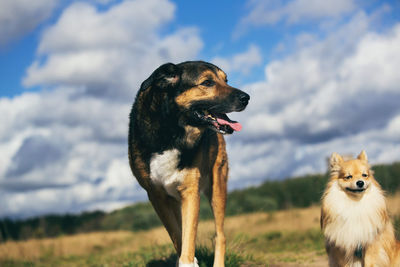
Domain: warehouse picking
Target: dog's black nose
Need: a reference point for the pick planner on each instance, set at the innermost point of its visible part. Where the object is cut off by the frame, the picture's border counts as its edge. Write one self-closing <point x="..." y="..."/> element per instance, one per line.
<point x="244" y="98"/>
<point x="360" y="184"/>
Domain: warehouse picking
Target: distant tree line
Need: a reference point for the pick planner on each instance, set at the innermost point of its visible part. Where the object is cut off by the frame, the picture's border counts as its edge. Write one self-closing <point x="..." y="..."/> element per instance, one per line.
<point x="269" y="196"/>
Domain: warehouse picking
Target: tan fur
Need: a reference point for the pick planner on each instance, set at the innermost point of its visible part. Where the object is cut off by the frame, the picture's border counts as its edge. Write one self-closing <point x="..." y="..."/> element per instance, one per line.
<point x="192" y="134"/>
<point x="199" y="92"/>
<point x="350" y="219"/>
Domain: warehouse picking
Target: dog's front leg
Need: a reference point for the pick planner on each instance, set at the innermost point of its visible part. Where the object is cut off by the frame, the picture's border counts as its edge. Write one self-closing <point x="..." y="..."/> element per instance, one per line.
<point x="190" y="197"/>
<point x="218" y="203"/>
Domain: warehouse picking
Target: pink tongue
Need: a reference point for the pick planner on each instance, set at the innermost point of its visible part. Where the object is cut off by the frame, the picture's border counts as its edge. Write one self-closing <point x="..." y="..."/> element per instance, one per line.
<point x="234" y="125"/>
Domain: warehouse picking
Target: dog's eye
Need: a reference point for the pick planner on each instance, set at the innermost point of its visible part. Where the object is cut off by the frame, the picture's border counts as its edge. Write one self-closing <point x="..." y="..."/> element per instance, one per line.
<point x="349" y="176"/>
<point x="208" y="83"/>
<point x="364" y="175"/>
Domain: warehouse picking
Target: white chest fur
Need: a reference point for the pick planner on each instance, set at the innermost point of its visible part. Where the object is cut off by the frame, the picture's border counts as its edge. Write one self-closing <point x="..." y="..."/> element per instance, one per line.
<point x="164" y="171"/>
<point x="354" y="222"/>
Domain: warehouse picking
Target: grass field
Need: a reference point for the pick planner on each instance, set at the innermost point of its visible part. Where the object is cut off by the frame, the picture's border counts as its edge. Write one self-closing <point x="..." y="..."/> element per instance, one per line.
<point x="282" y="238"/>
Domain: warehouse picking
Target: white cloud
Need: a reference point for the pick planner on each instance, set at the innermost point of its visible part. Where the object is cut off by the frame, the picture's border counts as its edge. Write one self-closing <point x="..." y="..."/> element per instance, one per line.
<point x="375" y="63"/>
<point x="103" y="2"/>
<point x="129" y="24"/>
<point x="64" y="145"/>
<point x="292" y="12"/>
<point x="242" y="62"/>
<point x="295" y="11"/>
<point x="78" y="197"/>
<point x="393" y="128"/>
<point x="18" y="17"/>
<point x="298" y="10"/>
<point x="109" y="50"/>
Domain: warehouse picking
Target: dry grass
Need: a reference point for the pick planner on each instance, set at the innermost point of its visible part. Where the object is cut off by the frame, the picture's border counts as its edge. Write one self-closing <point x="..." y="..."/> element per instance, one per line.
<point x="283" y="238"/>
<point x="82" y="244"/>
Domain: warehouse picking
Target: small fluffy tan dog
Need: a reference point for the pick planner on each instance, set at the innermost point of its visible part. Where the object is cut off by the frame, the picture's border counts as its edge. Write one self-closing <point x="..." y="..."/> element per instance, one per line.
<point x="354" y="217"/>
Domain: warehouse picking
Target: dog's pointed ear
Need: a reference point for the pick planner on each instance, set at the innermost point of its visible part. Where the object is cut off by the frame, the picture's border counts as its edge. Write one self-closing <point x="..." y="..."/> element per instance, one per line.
<point x="363" y="156"/>
<point x="164" y="77"/>
<point x="335" y="161"/>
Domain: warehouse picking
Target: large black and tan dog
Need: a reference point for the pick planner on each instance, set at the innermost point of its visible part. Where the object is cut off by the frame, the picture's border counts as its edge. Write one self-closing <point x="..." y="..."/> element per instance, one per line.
<point x="177" y="148"/>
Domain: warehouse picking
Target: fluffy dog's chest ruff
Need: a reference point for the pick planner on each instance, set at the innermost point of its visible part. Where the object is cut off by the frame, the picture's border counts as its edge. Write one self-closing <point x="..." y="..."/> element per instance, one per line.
<point x="355" y="223"/>
<point x="164" y="170"/>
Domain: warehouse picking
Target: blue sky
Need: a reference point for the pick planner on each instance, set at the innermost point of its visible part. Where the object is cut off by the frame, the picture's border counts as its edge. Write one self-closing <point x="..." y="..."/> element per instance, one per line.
<point x="322" y="76"/>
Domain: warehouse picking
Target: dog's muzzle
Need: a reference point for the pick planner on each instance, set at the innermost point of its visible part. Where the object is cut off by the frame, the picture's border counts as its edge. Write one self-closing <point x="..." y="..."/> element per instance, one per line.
<point x="242" y="100"/>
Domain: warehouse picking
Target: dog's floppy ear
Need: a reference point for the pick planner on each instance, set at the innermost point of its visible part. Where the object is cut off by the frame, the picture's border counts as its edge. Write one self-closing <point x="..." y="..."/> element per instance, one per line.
<point x="164" y="77"/>
<point x="363" y="156"/>
<point x="335" y="161"/>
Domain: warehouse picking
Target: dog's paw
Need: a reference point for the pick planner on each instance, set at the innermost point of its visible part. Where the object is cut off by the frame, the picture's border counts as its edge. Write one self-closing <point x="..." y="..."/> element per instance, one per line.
<point x="193" y="264"/>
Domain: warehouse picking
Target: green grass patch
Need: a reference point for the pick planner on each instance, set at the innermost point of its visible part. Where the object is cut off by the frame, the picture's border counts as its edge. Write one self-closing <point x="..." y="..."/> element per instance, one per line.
<point x="205" y="257"/>
<point x="13" y="263"/>
<point x="396" y="224"/>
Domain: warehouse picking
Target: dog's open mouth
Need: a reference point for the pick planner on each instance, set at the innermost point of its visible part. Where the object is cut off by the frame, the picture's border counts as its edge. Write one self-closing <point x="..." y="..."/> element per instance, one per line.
<point x="358" y="190"/>
<point x="219" y="122"/>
